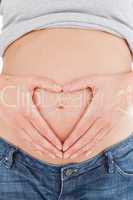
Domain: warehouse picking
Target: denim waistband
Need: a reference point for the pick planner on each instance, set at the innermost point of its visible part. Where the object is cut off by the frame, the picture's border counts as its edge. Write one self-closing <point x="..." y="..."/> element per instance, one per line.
<point x="8" y="152"/>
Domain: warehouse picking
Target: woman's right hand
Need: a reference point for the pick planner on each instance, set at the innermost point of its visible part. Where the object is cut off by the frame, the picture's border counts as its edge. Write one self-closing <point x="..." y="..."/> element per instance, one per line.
<point x="20" y="117"/>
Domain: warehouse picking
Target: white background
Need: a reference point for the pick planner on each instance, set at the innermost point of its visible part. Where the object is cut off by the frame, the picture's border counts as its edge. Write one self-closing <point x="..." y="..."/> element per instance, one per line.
<point x="0" y="57"/>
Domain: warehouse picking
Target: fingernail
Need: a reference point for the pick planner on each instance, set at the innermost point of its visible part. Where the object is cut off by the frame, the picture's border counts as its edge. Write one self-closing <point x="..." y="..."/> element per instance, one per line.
<point x="65" y="147"/>
<point x="59" y="146"/>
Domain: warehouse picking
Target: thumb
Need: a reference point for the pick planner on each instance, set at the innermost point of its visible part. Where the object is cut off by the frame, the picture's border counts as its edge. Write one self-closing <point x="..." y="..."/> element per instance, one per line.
<point x="45" y="83"/>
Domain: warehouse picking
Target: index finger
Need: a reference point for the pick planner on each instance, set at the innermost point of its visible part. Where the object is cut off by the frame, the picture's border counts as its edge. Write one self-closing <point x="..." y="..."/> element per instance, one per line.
<point x="80" y="84"/>
<point x="41" y="125"/>
<point x="89" y="117"/>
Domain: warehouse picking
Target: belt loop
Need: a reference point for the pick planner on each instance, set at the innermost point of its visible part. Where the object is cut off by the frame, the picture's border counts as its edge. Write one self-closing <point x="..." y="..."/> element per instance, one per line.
<point x="9" y="157"/>
<point x="110" y="162"/>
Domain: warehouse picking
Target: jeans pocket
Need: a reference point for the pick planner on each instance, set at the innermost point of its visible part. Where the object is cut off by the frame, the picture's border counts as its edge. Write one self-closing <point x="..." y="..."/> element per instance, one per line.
<point x="124" y="162"/>
<point x="10" y="169"/>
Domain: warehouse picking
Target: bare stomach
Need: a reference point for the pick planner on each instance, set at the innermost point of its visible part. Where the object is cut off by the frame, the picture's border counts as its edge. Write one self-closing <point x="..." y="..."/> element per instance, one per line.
<point x="64" y="55"/>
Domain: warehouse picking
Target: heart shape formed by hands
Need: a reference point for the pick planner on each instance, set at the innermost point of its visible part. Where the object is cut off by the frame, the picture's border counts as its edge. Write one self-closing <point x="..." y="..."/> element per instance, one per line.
<point x="62" y="111"/>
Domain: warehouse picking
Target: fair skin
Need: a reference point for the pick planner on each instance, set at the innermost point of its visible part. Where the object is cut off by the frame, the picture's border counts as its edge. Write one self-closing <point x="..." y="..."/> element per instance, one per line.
<point x="69" y="54"/>
<point x="108" y="107"/>
<point x="27" y="122"/>
<point x="89" y="129"/>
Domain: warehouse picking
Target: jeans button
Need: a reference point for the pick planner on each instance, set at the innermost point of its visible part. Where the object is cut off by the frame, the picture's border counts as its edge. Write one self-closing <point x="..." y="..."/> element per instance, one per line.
<point x="71" y="172"/>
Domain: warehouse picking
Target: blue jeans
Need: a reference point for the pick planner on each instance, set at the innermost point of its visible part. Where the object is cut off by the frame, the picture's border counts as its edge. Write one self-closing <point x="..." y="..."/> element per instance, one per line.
<point x="107" y="176"/>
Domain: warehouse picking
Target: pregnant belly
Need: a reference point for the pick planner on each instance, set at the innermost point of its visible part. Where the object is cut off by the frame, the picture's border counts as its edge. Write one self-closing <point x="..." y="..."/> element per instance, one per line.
<point x="64" y="55"/>
<point x="62" y="111"/>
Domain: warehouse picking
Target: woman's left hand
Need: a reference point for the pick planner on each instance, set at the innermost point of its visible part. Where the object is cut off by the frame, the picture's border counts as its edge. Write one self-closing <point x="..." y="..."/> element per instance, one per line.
<point x="112" y="99"/>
